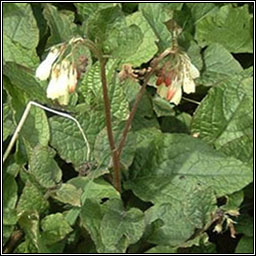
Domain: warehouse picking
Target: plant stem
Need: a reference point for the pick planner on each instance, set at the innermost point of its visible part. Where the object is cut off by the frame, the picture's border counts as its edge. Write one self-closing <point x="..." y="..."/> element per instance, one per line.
<point x="139" y="96"/>
<point x="115" y="155"/>
<point x="13" y="241"/>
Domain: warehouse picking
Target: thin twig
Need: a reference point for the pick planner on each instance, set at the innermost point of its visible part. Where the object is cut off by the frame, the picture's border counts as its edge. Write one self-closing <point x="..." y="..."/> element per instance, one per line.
<point x="13" y="241"/>
<point x="153" y="65"/>
<point x="115" y="157"/>
<point x="24" y="117"/>
<point x="191" y="100"/>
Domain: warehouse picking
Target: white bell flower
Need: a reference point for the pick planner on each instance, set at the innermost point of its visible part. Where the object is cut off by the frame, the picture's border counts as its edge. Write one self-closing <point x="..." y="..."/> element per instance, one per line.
<point x="194" y="72"/>
<point x="176" y="98"/>
<point x="188" y="84"/>
<point x="172" y="93"/>
<point x="59" y="83"/>
<point x="44" y="69"/>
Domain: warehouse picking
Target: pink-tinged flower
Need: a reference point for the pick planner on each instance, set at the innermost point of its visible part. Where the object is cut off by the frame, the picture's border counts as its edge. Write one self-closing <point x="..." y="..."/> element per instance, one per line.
<point x="175" y="75"/>
<point x="72" y="82"/>
<point x="171" y="92"/>
<point x="44" y="69"/>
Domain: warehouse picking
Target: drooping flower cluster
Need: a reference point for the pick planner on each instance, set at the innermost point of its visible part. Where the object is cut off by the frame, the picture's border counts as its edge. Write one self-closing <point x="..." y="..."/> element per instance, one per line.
<point x="177" y="74"/>
<point x="63" y="72"/>
<point x="63" y="82"/>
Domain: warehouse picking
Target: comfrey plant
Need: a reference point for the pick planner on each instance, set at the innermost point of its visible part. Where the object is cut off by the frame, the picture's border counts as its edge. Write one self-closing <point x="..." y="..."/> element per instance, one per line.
<point x="173" y="68"/>
<point x="128" y="127"/>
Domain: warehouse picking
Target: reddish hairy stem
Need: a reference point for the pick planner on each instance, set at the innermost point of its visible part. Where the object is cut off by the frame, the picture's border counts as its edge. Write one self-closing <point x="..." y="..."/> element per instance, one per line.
<point x="115" y="155"/>
<point x="139" y="96"/>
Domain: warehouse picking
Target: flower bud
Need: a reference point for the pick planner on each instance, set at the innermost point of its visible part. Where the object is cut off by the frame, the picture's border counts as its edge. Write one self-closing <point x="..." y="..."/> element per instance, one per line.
<point x="218" y="228"/>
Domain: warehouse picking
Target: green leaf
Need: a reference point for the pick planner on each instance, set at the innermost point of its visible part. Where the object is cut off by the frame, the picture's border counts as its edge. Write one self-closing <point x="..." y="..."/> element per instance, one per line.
<point x="156" y="15"/>
<point x="245" y="245"/>
<point x="194" y="52"/>
<point x="234" y="201"/>
<point x="95" y="192"/>
<point x="24" y="79"/>
<point x="118" y="224"/>
<point x="20" y="33"/>
<point x="26" y="247"/>
<point x="13" y="169"/>
<point x="181" y="217"/>
<point x="55" y="228"/>
<point x="230" y="26"/>
<point x="162" y="249"/>
<point x="98" y="190"/>
<point x="182" y="176"/>
<point x="147" y="48"/>
<point x="219" y="65"/>
<point x="69" y="194"/>
<point x="94" y="189"/>
<point x="91" y="89"/>
<point x="144" y="116"/>
<point x="121" y="42"/>
<point x="90" y="85"/>
<point x="44" y="168"/>
<point x="8" y="127"/>
<point x="178" y="163"/>
<point x="88" y="9"/>
<point x="102" y="151"/>
<point x="200" y="10"/>
<point x="103" y="21"/>
<point x="67" y="139"/>
<point x="91" y="216"/>
<point x="60" y="25"/>
<point x="29" y="222"/>
<point x="32" y="198"/>
<point x="204" y="246"/>
<point x="111" y="228"/>
<point x="245" y="225"/>
<point x="35" y="129"/>
<point x="162" y="107"/>
<point x="130" y="88"/>
<point x="225" y="118"/>
<point x="10" y="190"/>
<point x="107" y="27"/>
<point x="10" y="216"/>
<point x="179" y="124"/>
<point x="7" y="231"/>
<point x="118" y="101"/>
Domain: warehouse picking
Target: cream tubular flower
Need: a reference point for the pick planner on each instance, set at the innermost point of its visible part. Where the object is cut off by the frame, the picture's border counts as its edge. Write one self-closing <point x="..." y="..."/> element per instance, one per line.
<point x="44" y="69"/>
<point x="72" y="80"/>
<point x="175" y="93"/>
<point x="175" y="76"/>
<point x="194" y="72"/>
<point x="59" y="82"/>
<point x="190" y="72"/>
<point x="188" y="83"/>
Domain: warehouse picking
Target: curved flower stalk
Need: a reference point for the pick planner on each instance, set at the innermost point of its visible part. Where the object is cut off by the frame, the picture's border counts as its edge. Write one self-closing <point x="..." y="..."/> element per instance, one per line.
<point x="177" y="74"/>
